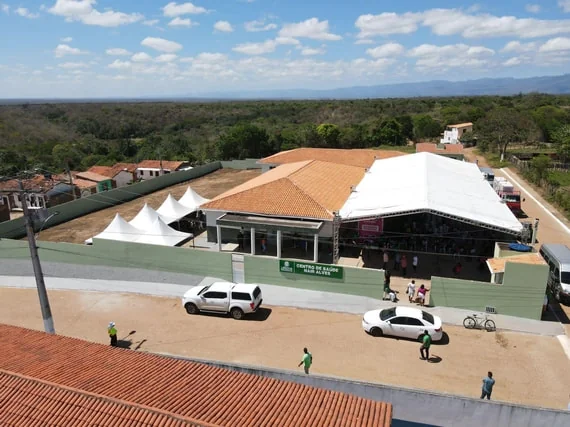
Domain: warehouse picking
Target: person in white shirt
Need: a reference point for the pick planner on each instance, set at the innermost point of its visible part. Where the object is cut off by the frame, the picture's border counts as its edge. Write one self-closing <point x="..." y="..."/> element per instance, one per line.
<point x="415" y="263"/>
<point x="411" y="290"/>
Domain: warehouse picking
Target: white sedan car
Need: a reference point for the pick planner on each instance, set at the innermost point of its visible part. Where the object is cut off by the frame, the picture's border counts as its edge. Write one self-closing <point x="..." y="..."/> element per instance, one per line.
<point x="405" y="322"/>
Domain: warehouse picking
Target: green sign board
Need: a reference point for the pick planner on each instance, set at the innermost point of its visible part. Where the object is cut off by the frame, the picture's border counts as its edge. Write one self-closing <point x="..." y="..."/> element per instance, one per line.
<point x="310" y="269"/>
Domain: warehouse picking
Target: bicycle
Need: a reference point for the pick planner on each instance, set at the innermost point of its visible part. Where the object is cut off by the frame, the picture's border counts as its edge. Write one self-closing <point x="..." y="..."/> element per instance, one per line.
<point x="475" y="321"/>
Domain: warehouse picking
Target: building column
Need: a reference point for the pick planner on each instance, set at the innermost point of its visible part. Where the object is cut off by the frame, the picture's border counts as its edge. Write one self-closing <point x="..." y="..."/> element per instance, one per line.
<point x="219" y="237"/>
<point x="279" y="237"/>
<point x="252" y="234"/>
<point x="316" y="249"/>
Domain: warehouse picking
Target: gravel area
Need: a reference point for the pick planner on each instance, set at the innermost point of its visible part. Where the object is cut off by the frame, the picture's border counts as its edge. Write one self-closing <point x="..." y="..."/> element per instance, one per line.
<point x="54" y="269"/>
<point x="528" y="369"/>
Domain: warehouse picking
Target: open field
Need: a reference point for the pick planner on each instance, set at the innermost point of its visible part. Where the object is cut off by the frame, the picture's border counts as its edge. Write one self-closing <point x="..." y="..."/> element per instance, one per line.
<point x="529" y="369"/>
<point x="209" y="186"/>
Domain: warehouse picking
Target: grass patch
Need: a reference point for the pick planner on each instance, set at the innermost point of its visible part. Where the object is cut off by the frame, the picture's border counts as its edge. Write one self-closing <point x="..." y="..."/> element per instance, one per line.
<point x="494" y="160"/>
<point x="561" y="177"/>
<point x="403" y="148"/>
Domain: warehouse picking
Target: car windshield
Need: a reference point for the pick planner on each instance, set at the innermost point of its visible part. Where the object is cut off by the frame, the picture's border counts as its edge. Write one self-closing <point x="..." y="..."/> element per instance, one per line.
<point x="204" y="290"/>
<point x="387" y="313"/>
<point x="428" y="317"/>
<point x="565" y="277"/>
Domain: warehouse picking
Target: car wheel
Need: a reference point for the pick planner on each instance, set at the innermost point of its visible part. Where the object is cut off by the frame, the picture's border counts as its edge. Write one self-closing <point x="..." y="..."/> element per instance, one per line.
<point x="191" y="308"/>
<point x="237" y="313"/>
<point x="376" y="332"/>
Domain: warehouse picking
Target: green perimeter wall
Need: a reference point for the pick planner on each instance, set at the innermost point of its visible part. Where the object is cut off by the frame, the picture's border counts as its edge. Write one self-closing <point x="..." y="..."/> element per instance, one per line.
<point x="241" y="164"/>
<point x="67" y="211"/>
<point x="356" y="281"/>
<point x="521" y="294"/>
<point x="126" y="255"/>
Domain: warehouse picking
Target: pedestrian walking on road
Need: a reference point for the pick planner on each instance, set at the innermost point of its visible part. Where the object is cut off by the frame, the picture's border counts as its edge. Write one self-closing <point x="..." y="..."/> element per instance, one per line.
<point x="307" y="360"/>
<point x="112" y="334"/>
<point x="488" y="384"/>
<point x="426" y="343"/>
<point x="411" y="290"/>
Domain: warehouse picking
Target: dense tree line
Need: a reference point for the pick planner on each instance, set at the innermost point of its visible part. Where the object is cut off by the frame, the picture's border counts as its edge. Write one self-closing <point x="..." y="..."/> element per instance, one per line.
<point x="54" y="136"/>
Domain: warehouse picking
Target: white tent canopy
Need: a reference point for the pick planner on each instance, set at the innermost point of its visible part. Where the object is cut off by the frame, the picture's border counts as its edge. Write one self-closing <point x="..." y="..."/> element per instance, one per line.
<point x="192" y="200"/>
<point x="159" y="233"/>
<point x="119" y="229"/>
<point x="426" y="182"/>
<point x="171" y="210"/>
<point x="144" y="218"/>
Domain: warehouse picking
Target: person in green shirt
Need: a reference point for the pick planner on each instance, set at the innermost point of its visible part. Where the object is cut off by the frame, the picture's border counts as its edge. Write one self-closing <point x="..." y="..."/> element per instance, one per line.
<point x="424" y="349"/>
<point x="307" y="360"/>
<point x="112" y="334"/>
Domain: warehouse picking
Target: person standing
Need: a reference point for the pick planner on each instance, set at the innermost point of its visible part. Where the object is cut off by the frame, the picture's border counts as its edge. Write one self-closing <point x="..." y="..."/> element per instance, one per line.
<point x="411" y="290"/>
<point x="397" y="261"/>
<point x="404" y="264"/>
<point x="488" y="384"/>
<point x="307" y="360"/>
<point x="386" y="258"/>
<point x="112" y="334"/>
<point x="415" y="263"/>
<point x="426" y="343"/>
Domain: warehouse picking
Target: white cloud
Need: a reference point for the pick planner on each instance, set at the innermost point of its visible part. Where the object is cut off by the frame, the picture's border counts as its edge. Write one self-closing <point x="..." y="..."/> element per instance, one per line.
<point x="309" y="51"/>
<point x="117" y="51"/>
<point x="73" y="65"/>
<point x="532" y="8"/>
<point x="5" y="8"/>
<point x="117" y="64"/>
<point x="162" y="45"/>
<point x="179" y="22"/>
<point x="565" y="5"/>
<point x="448" y="22"/>
<point x="141" y="57"/>
<point x="441" y="58"/>
<point x="166" y="57"/>
<point x="62" y="50"/>
<point x="211" y="57"/>
<point x="83" y="11"/>
<point x="516" y="46"/>
<point x="556" y="45"/>
<point x="287" y="41"/>
<point x="310" y="29"/>
<point x="223" y="26"/>
<point x="173" y="9"/>
<point x="262" y="48"/>
<point x="386" y="50"/>
<point x="67" y="39"/>
<point x="186" y="59"/>
<point x="22" y="11"/>
<point x="511" y="62"/>
<point x="364" y="41"/>
<point x="151" y="22"/>
<point x="259" y="25"/>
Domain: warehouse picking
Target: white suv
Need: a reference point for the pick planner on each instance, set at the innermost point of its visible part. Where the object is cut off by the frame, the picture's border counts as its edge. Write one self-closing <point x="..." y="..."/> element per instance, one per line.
<point x="237" y="299"/>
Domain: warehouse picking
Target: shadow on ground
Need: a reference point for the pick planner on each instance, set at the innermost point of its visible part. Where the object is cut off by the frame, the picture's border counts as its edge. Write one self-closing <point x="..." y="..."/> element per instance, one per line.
<point x="555" y="313"/>
<point x="445" y="340"/>
<point x="260" y="315"/>
<point x="402" y="423"/>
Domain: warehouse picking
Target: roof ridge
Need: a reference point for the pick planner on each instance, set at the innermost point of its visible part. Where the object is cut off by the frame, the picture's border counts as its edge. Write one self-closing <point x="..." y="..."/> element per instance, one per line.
<point x="107" y="398"/>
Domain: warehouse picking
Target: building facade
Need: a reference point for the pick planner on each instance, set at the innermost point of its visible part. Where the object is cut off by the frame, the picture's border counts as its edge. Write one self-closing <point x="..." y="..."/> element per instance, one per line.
<point x="454" y="133"/>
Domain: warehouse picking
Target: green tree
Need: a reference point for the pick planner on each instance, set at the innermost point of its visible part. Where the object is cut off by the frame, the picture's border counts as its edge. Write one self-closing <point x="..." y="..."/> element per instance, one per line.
<point x="539" y="166"/>
<point x="451" y="115"/>
<point x="562" y="140"/>
<point x="426" y="127"/>
<point x="407" y="126"/>
<point x="329" y="134"/>
<point x="353" y="136"/>
<point x="66" y="155"/>
<point x="548" y="119"/>
<point x="244" y="141"/>
<point x="389" y="132"/>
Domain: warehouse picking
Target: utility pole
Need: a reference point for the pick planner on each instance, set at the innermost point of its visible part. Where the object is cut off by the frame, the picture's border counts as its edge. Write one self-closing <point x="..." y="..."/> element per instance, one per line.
<point x="42" y="292"/>
<point x="71" y="181"/>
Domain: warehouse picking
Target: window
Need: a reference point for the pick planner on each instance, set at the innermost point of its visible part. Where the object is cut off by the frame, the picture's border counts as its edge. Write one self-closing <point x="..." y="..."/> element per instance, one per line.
<point x="242" y="296"/>
<point x="256" y="292"/>
<point x="398" y="321"/>
<point x="428" y="317"/>
<point x="165" y="172"/>
<point x="565" y="277"/>
<point x="216" y="295"/>
<point x="387" y="313"/>
<point x="414" y="322"/>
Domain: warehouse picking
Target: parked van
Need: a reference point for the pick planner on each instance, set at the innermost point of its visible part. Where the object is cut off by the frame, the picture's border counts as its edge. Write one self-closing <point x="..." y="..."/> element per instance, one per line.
<point x="558" y="259"/>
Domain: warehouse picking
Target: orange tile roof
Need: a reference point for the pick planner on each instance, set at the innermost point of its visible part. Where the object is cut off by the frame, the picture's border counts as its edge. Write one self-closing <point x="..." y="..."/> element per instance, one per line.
<point x="155" y="164"/>
<point x="497" y="265"/>
<point x="91" y="176"/>
<point x="112" y="171"/>
<point x="357" y="157"/>
<point x="461" y="125"/>
<point x="429" y="147"/>
<point x="188" y="389"/>
<point x="36" y="183"/>
<point x="309" y="189"/>
<point x="27" y="400"/>
<point x="83" y="183"/>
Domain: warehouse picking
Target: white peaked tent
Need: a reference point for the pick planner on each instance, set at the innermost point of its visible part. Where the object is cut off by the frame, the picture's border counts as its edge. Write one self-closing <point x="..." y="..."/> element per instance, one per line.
<point x="159" y="233"/>
<point x="192" y="200"/>
<point x="171" y="210"/>
<point x="144" y="218"/>
<point x="119" y="229"/>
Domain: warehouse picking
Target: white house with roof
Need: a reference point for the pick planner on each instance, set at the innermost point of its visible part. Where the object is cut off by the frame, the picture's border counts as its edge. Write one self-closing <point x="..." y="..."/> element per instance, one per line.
<point x="453" y="133"/>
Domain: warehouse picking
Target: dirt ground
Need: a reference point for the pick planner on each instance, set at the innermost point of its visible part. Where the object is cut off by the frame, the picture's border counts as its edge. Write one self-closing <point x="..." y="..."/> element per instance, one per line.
<point x="209" y="186"/>
<point x="528" y="369"/>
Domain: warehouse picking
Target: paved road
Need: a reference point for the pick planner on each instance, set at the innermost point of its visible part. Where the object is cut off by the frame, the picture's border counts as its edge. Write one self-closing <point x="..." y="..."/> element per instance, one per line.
<point x="281" y="296"/>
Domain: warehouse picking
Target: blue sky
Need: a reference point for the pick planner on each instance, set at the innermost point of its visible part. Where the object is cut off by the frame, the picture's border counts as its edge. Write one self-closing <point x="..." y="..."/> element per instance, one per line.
<point x="88" y="48"/>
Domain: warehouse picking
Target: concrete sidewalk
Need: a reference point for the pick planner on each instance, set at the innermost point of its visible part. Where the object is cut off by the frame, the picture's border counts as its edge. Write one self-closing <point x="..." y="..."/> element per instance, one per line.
<point x="281" y="296"/>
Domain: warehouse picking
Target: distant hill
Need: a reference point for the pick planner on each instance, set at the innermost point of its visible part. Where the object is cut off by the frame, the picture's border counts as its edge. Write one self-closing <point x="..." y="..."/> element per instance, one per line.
<point x="434" y="88"/>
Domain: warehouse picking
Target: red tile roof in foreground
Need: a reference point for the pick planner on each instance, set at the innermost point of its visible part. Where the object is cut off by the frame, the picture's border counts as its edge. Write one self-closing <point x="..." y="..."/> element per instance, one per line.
<point x="28" y="401"/>
<point x="200" y="392"/>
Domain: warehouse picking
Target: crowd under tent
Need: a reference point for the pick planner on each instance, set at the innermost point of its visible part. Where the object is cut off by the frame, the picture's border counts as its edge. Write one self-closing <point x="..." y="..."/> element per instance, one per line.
<point x="171" y="210"/>
<point x="192" y="200"/>
<point x="428" y="183"/>
<point x="159" y="233"/>
<point x="118" y="229"/>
